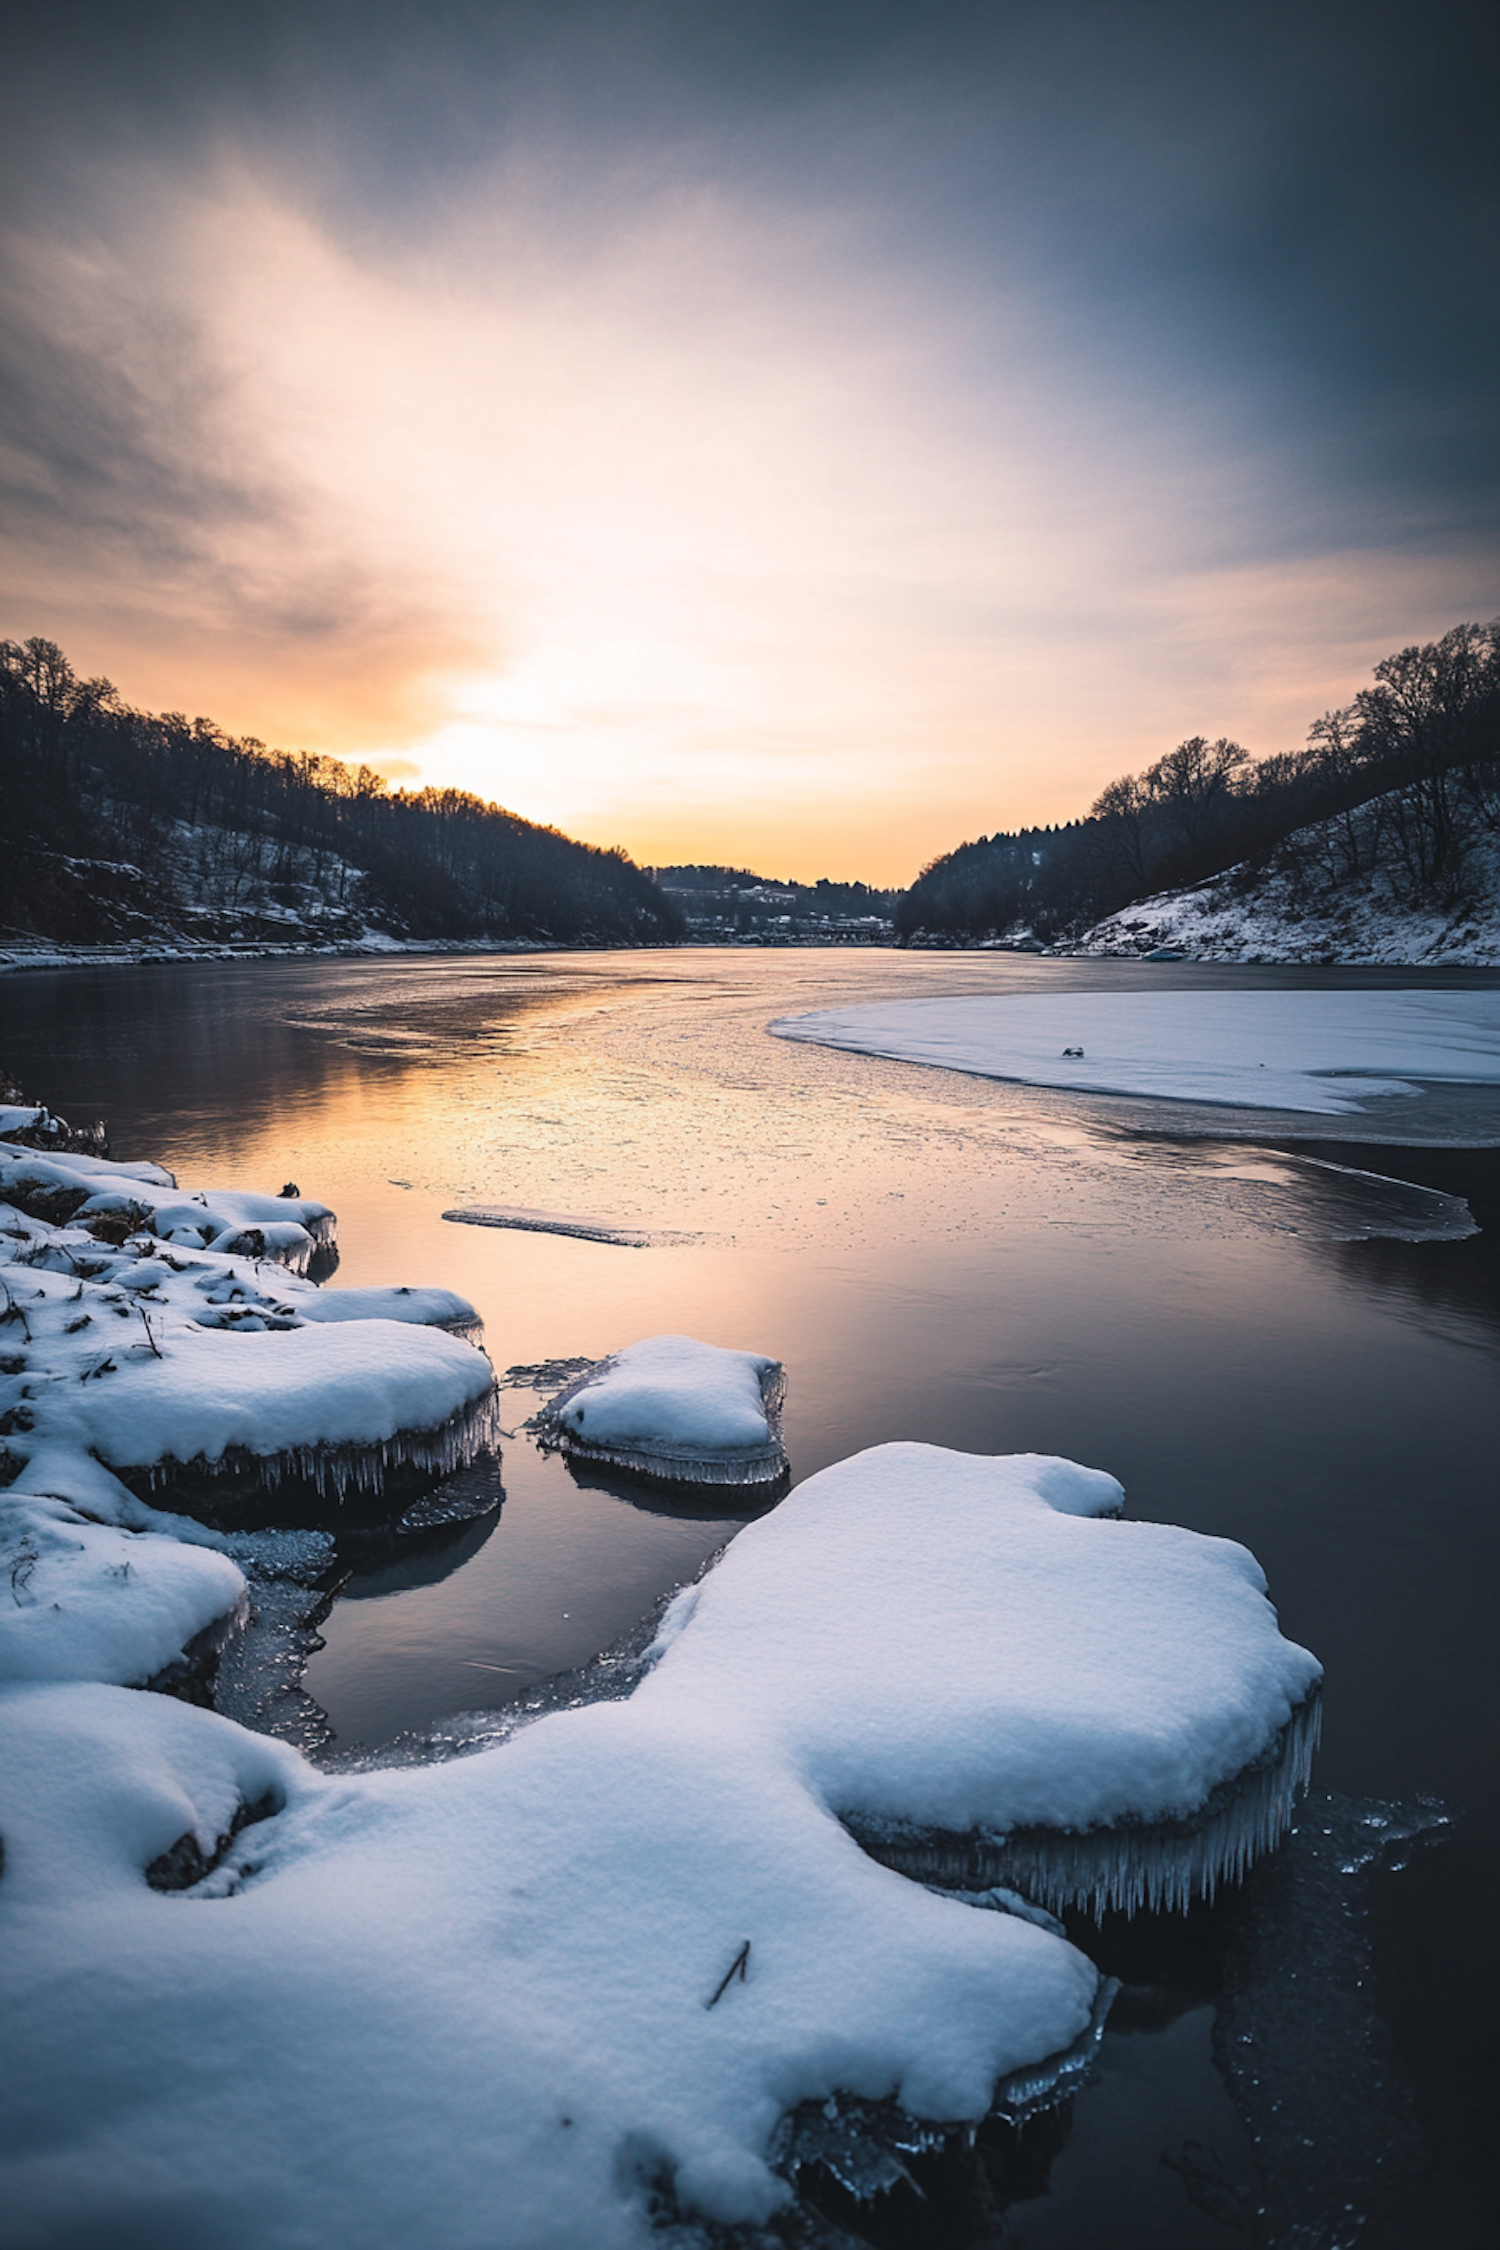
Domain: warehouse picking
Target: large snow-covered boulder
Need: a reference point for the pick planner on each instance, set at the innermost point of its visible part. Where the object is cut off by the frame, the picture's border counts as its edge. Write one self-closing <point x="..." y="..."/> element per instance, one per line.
<point x="992" y="1678"/>
<point x="491" y="2003"/>
<point x="676" y="1410"/>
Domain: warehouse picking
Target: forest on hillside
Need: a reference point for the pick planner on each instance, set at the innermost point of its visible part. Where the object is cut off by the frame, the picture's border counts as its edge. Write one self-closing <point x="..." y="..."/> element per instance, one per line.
<point x="120" y="823"/>
<point x="1404" y="782"/>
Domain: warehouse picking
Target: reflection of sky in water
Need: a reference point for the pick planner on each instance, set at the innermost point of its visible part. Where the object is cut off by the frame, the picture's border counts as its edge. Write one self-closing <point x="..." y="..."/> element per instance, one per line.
<point x="975" y="1264"/>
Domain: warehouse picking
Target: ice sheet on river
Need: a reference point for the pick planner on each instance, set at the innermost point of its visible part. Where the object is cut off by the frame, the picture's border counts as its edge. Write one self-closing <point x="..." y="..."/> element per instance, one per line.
<point x="1327" y="1052"/>
<point x="499" y="2001"/>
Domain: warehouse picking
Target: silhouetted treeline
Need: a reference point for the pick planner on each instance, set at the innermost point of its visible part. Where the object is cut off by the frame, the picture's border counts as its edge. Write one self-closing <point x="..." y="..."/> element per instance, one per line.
<point x="117" y="820"/>
<point x="1405" y="780"/>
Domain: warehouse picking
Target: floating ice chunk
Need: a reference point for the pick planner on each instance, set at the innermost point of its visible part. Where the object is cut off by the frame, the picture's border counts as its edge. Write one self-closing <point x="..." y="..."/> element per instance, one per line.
<point x="526" y="1221"/>
<point x="991" y="1682"/>
<point x="676" y="1409"/>
<point x="1322" y="1051"/>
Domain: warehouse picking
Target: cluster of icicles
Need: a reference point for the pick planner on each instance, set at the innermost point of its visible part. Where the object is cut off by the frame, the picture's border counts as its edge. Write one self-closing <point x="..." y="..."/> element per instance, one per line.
<point x="1160" y="1865"/>
<point x="337" y="1471"/>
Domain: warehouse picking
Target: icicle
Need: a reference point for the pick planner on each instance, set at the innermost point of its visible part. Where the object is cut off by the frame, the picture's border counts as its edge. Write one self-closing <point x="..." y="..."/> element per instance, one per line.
<point x="339" y="1470"/>
<point x="1129" y="1864"/>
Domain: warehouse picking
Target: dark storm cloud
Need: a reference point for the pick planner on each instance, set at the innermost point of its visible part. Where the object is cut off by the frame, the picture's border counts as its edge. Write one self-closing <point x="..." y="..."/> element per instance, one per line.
<point x="111" y="432"/>
<point x="1293" y="205"/>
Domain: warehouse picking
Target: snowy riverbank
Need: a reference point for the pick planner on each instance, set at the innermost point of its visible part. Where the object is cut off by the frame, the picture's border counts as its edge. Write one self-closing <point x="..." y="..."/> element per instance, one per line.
<point x="1294" y="911"/>
<point x="374" y="944"/>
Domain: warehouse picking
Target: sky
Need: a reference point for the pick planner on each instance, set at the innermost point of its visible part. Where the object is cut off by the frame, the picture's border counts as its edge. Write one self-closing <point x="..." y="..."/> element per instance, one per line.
<point x="801" y="436"/>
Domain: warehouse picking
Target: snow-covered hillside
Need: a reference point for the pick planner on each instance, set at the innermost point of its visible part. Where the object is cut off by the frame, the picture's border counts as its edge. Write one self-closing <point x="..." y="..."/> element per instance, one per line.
<point x="217" y="892"/>
<point x="1304" y="907"/>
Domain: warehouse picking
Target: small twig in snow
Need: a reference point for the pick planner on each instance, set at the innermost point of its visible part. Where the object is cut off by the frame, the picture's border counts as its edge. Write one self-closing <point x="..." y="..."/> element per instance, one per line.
<point x="738" y="1967"/>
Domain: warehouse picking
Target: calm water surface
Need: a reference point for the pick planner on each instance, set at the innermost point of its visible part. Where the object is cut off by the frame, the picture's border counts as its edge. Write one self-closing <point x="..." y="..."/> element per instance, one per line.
<point x="1140" y="1286"/>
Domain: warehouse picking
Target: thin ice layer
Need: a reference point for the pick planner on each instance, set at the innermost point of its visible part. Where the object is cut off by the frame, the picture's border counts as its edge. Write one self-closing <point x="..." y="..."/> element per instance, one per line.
<point x="675" y="1407"/>
<point x="1320" y="1051"/>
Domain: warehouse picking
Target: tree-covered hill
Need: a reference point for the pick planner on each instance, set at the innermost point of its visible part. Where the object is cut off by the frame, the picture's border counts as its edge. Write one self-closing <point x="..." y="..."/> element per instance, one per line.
<point x="1400" y="790"/>
<point x="732" y="906"/>
<point x="121" y="824"/>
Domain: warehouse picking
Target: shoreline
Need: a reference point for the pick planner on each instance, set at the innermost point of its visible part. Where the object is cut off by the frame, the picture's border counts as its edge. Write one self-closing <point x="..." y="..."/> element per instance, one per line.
<point x="14" y="962"/>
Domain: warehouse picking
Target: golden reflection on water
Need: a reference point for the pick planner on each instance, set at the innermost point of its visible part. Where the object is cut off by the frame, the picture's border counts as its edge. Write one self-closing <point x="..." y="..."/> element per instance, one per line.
<point x="656" y="1098"/>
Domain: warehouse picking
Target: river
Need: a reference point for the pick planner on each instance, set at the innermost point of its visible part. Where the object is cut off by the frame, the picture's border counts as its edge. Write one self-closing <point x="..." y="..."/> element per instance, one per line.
<point x="1229" y="1312"/>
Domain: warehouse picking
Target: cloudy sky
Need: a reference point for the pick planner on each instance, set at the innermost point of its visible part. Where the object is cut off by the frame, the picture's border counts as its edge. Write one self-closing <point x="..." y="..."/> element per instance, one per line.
<point x="797" y="433"/>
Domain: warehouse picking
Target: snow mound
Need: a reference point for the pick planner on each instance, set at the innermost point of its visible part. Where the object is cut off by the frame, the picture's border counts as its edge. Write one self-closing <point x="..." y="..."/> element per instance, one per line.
<point x="677" y="1410"/>
<point x="961" y="1651"/>
<point x="430" y="1308"/>
<point x="466" y="2003"/>
<point x="1327" y="1052"/>
<point x="91" y="1601"/>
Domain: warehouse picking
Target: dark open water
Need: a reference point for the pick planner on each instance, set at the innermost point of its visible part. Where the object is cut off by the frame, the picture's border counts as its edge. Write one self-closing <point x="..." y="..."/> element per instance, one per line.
<point x="1141" y="1286"/>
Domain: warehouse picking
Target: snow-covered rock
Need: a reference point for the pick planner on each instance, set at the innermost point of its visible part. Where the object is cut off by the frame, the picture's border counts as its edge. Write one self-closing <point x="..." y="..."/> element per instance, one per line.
<point x="93" y="1601"/>
<point x="673" y="1408"/>
<point x="143" y="1198"/>
<point x="1327" y="1052"/>
<point x="205" y="1372"/>
<point x="958" y="1646"/>
<point x="471" y="2004"/>
<point x="427" y="1308"/>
